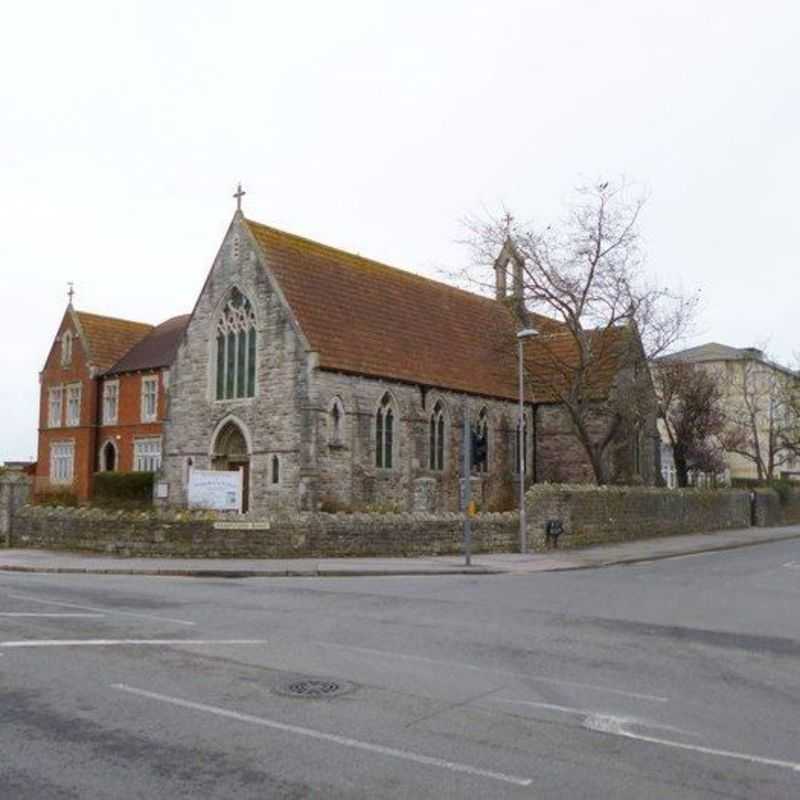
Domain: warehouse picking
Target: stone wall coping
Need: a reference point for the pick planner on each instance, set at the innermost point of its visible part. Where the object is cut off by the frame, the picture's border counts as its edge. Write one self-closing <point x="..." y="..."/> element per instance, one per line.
<point x="307" y="518"/>
<point x="573" y="488"/>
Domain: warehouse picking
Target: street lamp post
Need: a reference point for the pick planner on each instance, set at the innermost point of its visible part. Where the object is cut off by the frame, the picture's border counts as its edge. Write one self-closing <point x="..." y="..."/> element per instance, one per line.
<point x="525" y="333"/>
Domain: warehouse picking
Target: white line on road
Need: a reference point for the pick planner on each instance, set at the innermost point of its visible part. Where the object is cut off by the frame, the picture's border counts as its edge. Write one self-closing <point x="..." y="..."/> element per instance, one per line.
<point x="51" y="615"/>
<point x="529" y="676"/>
<point x="615" y="727"/>
<point x="110" y="642"/>
<point x="346" y="741"/>
<point x="100" y="610"/>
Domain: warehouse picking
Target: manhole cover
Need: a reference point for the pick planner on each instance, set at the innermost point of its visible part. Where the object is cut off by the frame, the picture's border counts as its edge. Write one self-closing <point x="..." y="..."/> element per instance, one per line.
<point x="315" y="688"/>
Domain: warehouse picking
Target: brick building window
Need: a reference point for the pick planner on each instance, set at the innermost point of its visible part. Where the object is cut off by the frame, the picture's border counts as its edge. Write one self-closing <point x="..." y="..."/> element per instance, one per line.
<point x="66" y="349"/>
<point x="236" y="349"/>
<point x="62" y="461"/>
<point x="55" y="406"/>
<point x="436" y="431"/>
<point x="149" y="399"/>
<point x="74" y="405"/>
<point x="384" y="433"/>
<point x="147" y="455"/>
<point x="110" y="402"/>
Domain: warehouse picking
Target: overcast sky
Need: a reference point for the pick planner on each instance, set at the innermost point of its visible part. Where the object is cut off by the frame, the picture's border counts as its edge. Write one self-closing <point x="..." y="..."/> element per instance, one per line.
<point x="377" y="127"/>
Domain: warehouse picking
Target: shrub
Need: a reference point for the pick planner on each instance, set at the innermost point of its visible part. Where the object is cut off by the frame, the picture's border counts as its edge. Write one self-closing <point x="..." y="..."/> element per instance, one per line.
<point x="123" y="489"/>
<point x="61" y="497"/>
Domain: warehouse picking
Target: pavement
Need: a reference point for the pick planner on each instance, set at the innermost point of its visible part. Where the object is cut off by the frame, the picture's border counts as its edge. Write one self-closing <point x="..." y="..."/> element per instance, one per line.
<point x="50" y="561"/>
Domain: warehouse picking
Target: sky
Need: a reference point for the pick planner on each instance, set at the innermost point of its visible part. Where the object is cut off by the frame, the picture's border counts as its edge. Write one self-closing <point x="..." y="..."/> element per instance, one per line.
<point x="378" y="127"/>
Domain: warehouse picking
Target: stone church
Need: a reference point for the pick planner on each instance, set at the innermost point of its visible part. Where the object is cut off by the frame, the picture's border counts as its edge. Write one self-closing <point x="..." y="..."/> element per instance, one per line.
<point x="340" y="383"/>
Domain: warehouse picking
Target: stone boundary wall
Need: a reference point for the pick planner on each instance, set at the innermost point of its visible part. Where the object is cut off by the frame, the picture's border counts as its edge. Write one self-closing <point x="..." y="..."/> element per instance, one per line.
<point x="185" y="534"/>
<point x="15" y="491"/>
<point x="601" y="515"/>
<point x="772" y="510"/>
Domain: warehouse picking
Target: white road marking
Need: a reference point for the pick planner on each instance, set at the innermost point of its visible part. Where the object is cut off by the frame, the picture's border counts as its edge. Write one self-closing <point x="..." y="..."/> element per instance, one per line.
<point x="547" y="706"/>
<point x="99" y="610"/>
<point x="615" y="727"/>
<point x="792" y="564"/>
<point x="53" y="615"/>
<point x="529" y="676"/>
<point x="345" y="741"/>
<point x="110" y="642"/>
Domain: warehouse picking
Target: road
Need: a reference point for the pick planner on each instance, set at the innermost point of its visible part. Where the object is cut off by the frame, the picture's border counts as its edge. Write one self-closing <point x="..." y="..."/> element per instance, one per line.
<point x="677" y="678"/>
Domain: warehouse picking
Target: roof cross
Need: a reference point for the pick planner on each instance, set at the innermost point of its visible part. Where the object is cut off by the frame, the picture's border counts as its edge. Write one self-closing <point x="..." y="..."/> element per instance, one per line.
<point x="239" y="194"/>
<point x="70" y="291"/>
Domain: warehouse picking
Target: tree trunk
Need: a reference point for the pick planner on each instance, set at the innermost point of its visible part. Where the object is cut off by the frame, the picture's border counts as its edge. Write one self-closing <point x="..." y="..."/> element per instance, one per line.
<point x="681" y="467"/>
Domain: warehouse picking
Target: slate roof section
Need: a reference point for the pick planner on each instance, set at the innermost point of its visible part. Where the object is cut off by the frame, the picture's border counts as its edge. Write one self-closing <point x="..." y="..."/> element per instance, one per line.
<point x="714" y="351"/>
<point x="107" y="339"/>
<point x="367" y="318"/>
<point x="157" y="349"/>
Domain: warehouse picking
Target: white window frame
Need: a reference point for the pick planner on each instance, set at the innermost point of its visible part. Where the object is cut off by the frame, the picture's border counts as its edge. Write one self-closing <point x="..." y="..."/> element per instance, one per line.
<point x="66" y="348"/>
<point x="55" y="420"/>
<point x="72" y="421"/>
<point x="110" y="419"/>
<point x="149" y="380"/>
<point x="145" y="457"/>
<point x="62" y="454"/>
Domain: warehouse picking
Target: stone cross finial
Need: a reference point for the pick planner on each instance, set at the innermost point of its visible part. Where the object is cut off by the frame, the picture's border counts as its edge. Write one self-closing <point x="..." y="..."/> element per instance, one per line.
<point x="239" y="194"/>
<point x="70" y="291"/>
<point x="508" y="219"/>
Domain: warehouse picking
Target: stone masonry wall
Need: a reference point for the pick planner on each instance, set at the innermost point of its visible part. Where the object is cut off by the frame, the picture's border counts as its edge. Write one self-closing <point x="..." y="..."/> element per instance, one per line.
<point x="15" y="492"/>
<point x="771" y="509"/>
<point x="273" y="421"/>
<point x="600" y="515"/>
<point x="305" y="535"/>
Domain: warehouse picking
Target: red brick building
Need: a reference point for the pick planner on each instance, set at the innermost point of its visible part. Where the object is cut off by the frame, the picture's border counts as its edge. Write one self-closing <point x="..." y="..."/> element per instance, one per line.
<point x="102" y="399"/>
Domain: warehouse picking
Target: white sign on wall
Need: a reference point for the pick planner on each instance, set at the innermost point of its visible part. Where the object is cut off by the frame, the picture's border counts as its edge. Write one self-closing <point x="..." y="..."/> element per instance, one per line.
<point x="217" y="490"/>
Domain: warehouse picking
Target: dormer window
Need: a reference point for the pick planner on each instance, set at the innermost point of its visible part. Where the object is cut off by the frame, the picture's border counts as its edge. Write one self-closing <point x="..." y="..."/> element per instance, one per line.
<point x="66" y="349"/>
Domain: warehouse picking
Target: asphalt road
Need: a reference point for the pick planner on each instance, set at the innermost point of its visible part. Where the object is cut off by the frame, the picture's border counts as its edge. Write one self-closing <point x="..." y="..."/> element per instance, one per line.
<point x="673" y="679"/>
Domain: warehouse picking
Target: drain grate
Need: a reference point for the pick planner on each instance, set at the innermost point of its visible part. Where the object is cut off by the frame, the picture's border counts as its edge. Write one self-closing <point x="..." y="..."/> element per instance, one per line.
<point x="314" y="688"/>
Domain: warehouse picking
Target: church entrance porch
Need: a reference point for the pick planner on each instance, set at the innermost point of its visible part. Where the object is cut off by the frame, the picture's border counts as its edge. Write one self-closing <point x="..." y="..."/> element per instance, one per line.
<point x="230" y="453"/>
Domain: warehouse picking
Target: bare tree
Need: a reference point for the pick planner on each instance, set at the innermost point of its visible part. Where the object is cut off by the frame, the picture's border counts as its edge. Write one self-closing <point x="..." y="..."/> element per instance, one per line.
<point x="586" y="273"/>
<point x="761" y="420"/>
<point x="690" y="407"/>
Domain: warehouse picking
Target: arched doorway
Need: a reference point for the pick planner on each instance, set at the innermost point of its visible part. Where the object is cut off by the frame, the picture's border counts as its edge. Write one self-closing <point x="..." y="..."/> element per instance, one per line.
<point x="108" y="457"/>
<point x="230" y="452"/>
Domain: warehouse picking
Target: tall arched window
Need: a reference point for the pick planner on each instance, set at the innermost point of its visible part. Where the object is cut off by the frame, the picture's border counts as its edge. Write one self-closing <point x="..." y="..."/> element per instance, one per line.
<point x="275" y="477"/>
<point x="384" y="433"/>
<point x="482" y="441"/>
<point x="336" y="436"/>
<point x="436" y="426"/>
<point x="236" y="348"/>
<point x="66" y="348"/>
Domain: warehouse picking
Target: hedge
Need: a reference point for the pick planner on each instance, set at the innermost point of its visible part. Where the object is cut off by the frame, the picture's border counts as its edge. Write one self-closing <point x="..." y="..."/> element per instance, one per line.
<point x="123" y="488"/>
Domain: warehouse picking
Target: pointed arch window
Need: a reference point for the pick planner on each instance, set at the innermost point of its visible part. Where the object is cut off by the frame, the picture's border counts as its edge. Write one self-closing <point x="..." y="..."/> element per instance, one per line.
<point x="384" y="434"/>
<point x="481" y="449"/>
<point x="336" y="422"/>
<point x="66" y="348"/>
<point x="236" y="348"/>
<point x="436" y="431"/>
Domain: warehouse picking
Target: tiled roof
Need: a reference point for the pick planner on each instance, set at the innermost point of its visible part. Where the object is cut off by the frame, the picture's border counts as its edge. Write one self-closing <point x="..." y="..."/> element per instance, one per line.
<point x="155" y="350"/>
<point x="367" y="318"/>
<point x="713" y="351"/>
<point x="107" y="338"/>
